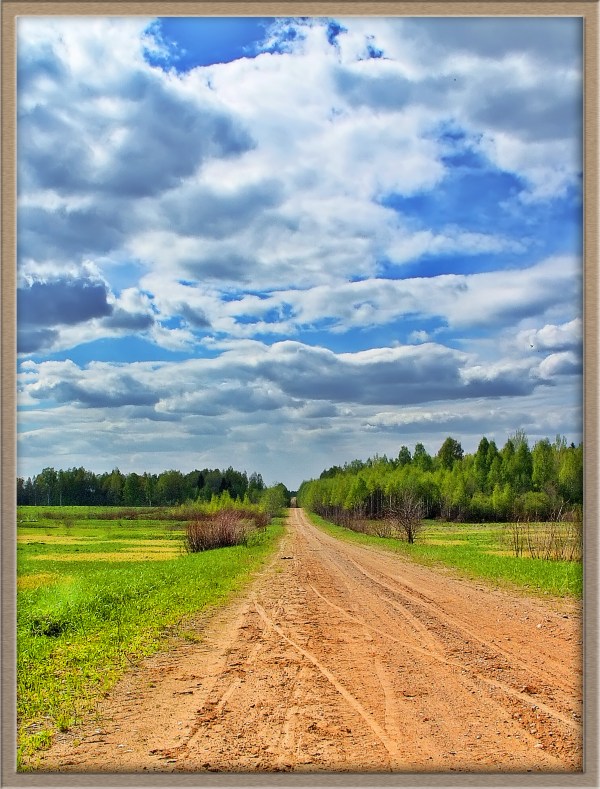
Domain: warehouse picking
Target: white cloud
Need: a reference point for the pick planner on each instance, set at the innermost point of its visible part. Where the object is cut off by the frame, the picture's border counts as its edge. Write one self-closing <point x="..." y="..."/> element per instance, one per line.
<point x="495" y="299"/>
<point x="221" y="409"/>
<point x="287" y="122"/>
<point x="253" y="376"/>
<point x="553" y="338"/>
<point x="563" y="363"/>
<point x="268" y="196"/>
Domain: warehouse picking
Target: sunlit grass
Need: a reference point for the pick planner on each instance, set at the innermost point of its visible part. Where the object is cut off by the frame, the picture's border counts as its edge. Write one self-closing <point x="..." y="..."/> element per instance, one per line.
<point x="35" y="580"/>
<point x="111" y="556"/>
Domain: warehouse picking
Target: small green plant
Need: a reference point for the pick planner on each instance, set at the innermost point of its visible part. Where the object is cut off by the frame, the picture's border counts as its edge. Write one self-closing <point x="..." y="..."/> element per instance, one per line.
<point x="48" y="623"/>
<point x="191" y="636"/>
<point x="36" y="741"/>
<point x="63" y="721"/>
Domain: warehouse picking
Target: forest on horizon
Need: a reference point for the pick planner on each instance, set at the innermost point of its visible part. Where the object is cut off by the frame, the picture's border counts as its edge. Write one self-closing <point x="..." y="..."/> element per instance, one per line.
<point x="539" y="482"/>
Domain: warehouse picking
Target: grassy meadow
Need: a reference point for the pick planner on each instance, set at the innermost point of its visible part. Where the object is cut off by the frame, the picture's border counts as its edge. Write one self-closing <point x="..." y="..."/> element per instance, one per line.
<point x="99" y="588"/>
<point x="96" y="591"/>
<point x="480" y="551"/>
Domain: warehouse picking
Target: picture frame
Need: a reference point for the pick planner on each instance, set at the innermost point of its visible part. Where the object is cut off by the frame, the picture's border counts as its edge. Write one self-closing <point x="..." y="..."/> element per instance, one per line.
<point x="11" y="10"/>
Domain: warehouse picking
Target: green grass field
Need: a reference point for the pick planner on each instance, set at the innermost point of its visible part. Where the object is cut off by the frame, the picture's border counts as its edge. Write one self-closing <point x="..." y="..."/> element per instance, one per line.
<point x="479" y="551"/>
<point x="96" y="595"/>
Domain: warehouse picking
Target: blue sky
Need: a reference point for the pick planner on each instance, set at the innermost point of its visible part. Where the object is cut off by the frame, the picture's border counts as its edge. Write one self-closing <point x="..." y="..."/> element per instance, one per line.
<point x="281" y="244"/>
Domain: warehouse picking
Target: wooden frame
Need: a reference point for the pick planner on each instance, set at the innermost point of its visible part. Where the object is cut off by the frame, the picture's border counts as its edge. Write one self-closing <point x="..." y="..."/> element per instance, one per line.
<point x="10" y="10"/>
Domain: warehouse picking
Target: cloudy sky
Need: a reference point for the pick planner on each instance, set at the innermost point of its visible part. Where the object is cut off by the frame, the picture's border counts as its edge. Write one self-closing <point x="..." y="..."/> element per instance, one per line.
<point x="281" y="244"/>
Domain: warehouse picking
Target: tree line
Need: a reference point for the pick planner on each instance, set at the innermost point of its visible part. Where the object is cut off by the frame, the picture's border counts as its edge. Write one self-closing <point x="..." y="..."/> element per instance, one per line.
<point x="77" y="486"/>
<point x="542" y="482"/>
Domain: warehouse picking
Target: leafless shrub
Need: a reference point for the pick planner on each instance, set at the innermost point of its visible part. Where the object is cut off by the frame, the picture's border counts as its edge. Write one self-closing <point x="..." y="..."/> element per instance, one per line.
<point x="224" y="529"/>
<point x="560" y="539"/>
<point x="515" y="536"/>
<point x="344" y="518"/>
<point x="361" y="525"/>
<point x="575" y="549"/>
<point x="261" y="519"/>
<point x="405" y="516"/>
<point x="384" y="527"/>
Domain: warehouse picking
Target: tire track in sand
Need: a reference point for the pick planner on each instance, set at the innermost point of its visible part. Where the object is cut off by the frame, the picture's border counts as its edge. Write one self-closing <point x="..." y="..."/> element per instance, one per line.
<point x="319" y="668"/>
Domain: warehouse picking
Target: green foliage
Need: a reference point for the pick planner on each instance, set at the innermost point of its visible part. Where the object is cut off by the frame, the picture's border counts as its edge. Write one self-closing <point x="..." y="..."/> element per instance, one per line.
<point x="534" y="506"/>
<point x="543" y="467"/>
<point x="449" y="453"/>
<point x="274" y="499"/>
<point x="421" y="458"/>
<point x="487" y="485"/>
<point x="77" y="486"/>
<point x="404" y="456"/>
<point x="570" y="475"/>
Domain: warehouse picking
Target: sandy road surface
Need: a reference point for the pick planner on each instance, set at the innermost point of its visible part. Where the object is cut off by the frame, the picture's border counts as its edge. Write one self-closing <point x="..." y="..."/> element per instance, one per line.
<point x="346" y="658"/>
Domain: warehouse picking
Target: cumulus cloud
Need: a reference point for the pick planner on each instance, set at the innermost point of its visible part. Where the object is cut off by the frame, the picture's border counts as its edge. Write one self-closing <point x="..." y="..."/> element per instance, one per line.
<point x="247" y="395"/>
<point x="393" y="376"/>
<point x="567" y="336"/>
<point x="228" y="397"/>
<point x="287" y="374"/>
<point x="498" y="298"/>
<point x="198" y="210"/>
<point x="100" y="386"/>
<point x="120" y="319"/>
<point x="134" y="137"/>
<point x="494" y="38"/>
<point x="563" y="363"/>
<point x="67" y="311"/>
<point x="32" y="340"/>
<point x="58" y="302"/>
<point x="285" y="196"/>
<point x="132" y="311"/>
<point x="72" y="231"/>
<point x="289" y="182"/>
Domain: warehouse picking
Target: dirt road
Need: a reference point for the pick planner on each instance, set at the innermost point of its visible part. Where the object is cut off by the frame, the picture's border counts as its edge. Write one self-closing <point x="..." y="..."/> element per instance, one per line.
<point x="346" y="658"/>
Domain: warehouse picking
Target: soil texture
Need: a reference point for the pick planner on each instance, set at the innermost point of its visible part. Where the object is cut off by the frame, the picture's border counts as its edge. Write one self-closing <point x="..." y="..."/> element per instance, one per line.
<point x="347" y="658"/>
